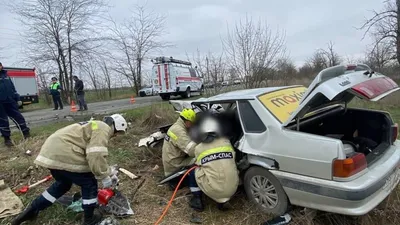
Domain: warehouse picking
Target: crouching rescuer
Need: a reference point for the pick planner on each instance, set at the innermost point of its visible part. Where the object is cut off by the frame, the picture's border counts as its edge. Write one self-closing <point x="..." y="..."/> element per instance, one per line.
<point x="178" y="148"/>
<point x="76" y="154"/>
<point x="216" y="175"/>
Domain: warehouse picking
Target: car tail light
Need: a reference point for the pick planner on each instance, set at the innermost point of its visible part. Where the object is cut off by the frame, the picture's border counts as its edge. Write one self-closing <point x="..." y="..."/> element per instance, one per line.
<point x="349" y="166"/>
<point x="351" y="67"/>
<point x="395" y="132"/>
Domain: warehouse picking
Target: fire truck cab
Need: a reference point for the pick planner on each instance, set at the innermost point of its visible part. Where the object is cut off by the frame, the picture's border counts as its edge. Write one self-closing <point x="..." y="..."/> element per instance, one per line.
<point x="172" y="77"/>
<point x="25" y="83"/>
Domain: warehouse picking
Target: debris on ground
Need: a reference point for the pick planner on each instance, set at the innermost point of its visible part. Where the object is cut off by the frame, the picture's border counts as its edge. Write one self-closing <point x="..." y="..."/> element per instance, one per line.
<point x="27" y="173"/>
<point x="109" y="221"/>
<point x="280" y="220"/>
<point x="28" y="152"/>
<point x="128" y="173"/>
<point x="10" y="204"/>
<point x="156" y="167"/>
<point x="196" y="219"/>
<point x="152" y="139"/>
<point x="118" y="205"/>
<point x="12" y="159"/>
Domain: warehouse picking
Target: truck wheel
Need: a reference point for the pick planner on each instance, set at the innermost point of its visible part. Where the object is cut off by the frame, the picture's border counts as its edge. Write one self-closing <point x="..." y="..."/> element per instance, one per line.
<point x="187" y="93"/>
<point x="202" y="90"/>
<point x="265" y="191"/>
<point x="165" y="97"/>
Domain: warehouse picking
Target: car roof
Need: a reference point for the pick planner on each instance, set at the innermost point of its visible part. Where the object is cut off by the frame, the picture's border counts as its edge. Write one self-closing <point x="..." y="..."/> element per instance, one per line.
<point x="246" y="94"/>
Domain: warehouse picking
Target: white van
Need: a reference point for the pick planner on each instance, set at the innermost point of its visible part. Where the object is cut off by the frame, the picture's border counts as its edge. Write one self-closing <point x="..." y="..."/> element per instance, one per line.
<point x="175" y="77"/>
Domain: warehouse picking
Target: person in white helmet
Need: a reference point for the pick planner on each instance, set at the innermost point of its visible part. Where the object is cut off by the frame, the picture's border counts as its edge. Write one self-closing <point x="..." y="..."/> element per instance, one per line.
<point x="76" y="154"/>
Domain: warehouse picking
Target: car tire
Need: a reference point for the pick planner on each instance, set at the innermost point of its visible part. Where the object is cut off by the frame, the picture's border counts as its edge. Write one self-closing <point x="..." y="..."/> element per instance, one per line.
<point x="273" y="198"/>
<point x="165" y="97"/>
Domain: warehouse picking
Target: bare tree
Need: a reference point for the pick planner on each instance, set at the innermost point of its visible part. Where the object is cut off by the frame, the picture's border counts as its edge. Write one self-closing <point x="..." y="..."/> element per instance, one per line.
<point x="285" y="70"/>
<point x="59" y="32"/>
<point x="385" y="25"/>
<point x="136" y="38"/>
<point x="324" y="58"/>
<point x="332" y="58"/>
<point x="212" y="66"/>
<point x="253" y="49"/>
<point x="107" y="77"/>
<point x="379" y="56"/>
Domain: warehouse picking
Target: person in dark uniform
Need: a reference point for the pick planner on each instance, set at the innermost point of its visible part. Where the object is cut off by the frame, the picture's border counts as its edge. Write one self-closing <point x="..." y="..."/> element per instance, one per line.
<point x="9" y="102"/>
<point x="80" y="94"/>
<point x="55" y="91"/>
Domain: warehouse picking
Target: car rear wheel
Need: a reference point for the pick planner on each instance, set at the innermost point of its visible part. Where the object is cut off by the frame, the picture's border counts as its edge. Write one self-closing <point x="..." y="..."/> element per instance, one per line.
<point x="264" y="190"/>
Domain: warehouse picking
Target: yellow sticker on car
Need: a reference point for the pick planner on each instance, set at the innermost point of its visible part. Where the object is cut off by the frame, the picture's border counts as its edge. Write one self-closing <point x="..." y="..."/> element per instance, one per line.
<point x="283" y="103"/>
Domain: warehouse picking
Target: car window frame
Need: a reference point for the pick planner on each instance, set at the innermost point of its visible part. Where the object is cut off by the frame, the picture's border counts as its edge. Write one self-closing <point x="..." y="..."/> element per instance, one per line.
<point x="245" y="128"/>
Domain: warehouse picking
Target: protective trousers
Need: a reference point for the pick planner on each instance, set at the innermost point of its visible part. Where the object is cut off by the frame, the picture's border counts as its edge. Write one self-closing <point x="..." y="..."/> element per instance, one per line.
<point x="194" y="188"/>
<point x="10" y="109"/>
<point x="57" y="102"/>
<point x="63" y="184"/>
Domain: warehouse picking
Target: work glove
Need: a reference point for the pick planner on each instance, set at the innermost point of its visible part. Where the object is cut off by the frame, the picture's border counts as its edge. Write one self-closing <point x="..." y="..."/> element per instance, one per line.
<point x="114" y="180"/>
<point x="19" y="103"/>
<point x="113" y="170"/>
<point x="107" y="182"/>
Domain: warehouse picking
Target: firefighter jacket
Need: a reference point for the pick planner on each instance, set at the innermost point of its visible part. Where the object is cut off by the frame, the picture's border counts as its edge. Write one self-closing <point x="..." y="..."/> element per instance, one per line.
<point x="217" y="175"/>
<point x="8" y="93"/>
<point x="79" y="148"/>
<point x="178" y="149"/>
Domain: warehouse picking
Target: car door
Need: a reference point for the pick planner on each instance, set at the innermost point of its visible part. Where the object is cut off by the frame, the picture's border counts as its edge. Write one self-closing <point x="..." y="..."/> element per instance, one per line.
<point x="255" y="133"/>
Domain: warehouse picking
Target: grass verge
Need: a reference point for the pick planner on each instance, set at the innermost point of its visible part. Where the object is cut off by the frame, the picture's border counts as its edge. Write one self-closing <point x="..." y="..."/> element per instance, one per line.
<point x="149" y="201"/>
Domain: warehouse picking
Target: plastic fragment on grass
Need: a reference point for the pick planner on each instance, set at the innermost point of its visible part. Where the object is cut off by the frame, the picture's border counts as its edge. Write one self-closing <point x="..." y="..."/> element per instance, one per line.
<point x="151" y="139"/>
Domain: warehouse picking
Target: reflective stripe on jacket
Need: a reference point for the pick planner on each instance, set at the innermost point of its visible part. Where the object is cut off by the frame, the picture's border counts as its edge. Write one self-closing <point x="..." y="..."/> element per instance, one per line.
<point x="217" y="175"/>
<point x="80" y="148"/>
<point x="178" y="149"/>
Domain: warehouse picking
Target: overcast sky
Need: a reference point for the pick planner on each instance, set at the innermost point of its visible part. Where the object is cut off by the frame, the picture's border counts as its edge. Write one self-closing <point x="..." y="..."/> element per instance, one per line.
<point x="309" y="24"/>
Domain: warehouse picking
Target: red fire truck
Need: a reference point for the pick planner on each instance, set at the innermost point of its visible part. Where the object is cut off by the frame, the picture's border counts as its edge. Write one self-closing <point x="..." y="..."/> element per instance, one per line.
<point x="25" y="82"/>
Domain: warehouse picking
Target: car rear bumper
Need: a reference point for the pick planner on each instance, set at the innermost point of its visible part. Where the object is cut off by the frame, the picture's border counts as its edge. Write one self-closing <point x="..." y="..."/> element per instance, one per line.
<point x="355" y="197"/>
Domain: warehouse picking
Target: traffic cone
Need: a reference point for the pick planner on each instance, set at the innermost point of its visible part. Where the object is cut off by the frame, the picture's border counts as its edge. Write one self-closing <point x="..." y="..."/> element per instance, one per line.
<point x="73" y="106"/>
<point x="132" y="100"/>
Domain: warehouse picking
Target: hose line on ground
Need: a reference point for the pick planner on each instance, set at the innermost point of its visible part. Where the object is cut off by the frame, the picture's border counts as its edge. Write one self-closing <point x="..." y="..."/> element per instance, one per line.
<point x="173" y="195"/>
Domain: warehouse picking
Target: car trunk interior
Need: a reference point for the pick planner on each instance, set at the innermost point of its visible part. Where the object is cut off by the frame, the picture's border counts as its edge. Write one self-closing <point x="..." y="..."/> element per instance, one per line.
<point x="360" y="130"/>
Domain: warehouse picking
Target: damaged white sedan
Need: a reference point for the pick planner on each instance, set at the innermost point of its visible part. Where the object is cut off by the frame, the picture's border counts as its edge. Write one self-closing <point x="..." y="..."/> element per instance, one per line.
<point x="306" y="147"/>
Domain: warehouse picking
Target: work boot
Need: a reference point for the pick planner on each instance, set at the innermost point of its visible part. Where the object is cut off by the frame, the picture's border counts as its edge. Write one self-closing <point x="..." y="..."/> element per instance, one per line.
<point x="224" y="206"/>
<point x="28" y="214"/>
<point x="8" y="142"/>
<point x="27" y="135"/>
<point x="196" y="203"/>
<point x="96" y="218"/>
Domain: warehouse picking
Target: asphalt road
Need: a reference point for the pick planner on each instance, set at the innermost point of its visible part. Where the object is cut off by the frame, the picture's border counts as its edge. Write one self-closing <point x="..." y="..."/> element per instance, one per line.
<point x="45" y="116"/>
<point x="40" y="117"/>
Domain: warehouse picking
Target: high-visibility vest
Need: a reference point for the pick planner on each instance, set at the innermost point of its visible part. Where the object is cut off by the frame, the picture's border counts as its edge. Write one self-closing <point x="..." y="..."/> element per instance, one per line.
<point x="54" y="86"/>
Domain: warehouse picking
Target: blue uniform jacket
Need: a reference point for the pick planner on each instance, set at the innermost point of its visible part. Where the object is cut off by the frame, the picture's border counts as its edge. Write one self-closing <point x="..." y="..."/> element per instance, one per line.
<point x="8" y="93"/>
